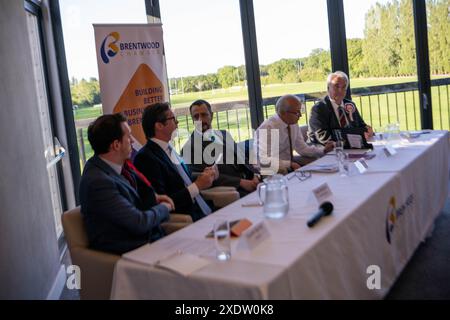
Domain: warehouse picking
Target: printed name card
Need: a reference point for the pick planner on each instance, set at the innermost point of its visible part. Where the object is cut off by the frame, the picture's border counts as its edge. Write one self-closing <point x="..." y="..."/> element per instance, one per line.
<point x="355" y="141"/>
<point x="361" y="165"/>
<point x="256" y="235"/>
<point x="322" y="192"/>
<point x="389" y="151"/>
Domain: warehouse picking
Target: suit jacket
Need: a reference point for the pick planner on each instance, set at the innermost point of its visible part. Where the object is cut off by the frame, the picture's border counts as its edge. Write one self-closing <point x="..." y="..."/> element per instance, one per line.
<point x="154" y="163"/>
<point x="118" y="218"/>
<point x="233" y="168"/>
<point x="323" y="121"/>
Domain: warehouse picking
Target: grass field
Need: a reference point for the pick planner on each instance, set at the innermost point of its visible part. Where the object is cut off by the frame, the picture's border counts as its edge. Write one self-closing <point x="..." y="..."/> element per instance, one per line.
<point x="377" y="110"/>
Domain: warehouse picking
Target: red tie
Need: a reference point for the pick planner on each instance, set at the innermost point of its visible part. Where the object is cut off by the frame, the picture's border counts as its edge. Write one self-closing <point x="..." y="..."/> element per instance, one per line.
<point x="342" y="118"/>
<point x="128" y="167"/>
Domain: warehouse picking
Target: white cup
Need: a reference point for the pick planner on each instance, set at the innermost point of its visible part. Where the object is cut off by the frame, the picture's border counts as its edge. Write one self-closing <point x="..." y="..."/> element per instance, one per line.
<point x="222" y="239"/>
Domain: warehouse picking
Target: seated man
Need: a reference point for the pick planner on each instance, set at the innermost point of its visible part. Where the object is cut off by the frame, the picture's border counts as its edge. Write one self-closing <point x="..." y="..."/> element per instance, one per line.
<point x="205" y="146"/>
<point x="334" y="112"/>
<point x="278" y="155"/>
<point x="119" y="206"/>
<point x="160" y="163"/>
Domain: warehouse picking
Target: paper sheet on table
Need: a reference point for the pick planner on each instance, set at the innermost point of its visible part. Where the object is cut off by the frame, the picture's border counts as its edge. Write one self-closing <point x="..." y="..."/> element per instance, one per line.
<point x="183" y="263"/>
<point x="151" y="253"/>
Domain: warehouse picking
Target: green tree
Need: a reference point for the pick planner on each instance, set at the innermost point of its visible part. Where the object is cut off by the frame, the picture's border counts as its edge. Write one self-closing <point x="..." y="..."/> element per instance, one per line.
<point x="407" y="51"/>
<point x="226" y="76"/>
<point x="439" y="36"/>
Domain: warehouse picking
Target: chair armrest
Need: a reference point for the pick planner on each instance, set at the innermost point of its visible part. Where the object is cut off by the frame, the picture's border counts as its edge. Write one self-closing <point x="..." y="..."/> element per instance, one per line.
<point x="220" y="196"/>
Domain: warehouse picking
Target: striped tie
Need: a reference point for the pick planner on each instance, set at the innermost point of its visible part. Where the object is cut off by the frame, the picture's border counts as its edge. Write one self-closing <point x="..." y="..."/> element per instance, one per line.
<point x="178" y="162"/>
<point x="342" y="117"/>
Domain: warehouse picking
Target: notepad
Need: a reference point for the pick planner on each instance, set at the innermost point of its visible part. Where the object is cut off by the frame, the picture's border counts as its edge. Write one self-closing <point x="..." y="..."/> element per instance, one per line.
<point x="182" y="263"/>
<point x="323" y="168"/>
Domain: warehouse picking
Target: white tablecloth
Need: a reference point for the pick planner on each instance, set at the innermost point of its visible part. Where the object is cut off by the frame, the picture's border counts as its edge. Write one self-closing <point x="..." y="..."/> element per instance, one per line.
<point x="328" y="261"/>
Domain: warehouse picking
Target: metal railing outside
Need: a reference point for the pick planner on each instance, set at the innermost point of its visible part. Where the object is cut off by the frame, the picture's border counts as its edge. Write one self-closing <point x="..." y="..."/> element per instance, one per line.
<point x="378" y="105"/>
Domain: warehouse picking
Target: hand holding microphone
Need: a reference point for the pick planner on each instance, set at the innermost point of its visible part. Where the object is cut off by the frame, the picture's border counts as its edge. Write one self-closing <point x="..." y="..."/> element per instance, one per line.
<point x="325" y="209"/>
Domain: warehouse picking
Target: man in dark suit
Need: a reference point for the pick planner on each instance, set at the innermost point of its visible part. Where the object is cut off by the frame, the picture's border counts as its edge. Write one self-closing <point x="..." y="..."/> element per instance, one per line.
<point x="334" y="112"/>
<point x="205" y="146"/>
<point x="119" y="206"/>
<point x="160" y="163"/>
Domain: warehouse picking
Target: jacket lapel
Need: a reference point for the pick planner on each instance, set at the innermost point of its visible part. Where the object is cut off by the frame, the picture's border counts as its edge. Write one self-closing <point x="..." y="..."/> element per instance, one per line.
<point x="98" y="162"/>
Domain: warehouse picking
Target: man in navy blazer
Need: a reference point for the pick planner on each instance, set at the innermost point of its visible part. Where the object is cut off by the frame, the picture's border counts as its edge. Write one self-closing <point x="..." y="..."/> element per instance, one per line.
<point x="159" y="162"/>
<point x="334" y="112"/>
<point x="120" y="209"/>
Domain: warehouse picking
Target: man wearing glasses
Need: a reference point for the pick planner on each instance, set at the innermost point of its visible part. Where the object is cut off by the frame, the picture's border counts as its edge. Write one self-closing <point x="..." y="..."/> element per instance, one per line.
<point x="335" y="112"/>
<point x="165" y="169"/>
<point x="290" y="138"/>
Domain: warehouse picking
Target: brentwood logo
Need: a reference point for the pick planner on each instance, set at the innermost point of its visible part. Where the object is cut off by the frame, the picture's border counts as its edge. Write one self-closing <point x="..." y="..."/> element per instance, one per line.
<point x="393" y="214"/>
<point x="111" y="47"/>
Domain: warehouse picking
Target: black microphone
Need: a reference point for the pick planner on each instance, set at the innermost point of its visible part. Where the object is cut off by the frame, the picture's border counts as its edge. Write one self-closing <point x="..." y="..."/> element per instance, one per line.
<point x="325" y="209"/>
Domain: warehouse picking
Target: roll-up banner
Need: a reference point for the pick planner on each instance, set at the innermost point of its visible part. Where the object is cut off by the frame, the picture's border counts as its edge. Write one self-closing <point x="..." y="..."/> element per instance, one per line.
<point x="132" y="71"/>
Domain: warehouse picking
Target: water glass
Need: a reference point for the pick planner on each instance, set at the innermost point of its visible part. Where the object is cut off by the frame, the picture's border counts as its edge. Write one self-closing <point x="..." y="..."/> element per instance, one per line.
<point x="222" y="239"/>
<point x="342" y="159"/>
<point x="273" y="192"/>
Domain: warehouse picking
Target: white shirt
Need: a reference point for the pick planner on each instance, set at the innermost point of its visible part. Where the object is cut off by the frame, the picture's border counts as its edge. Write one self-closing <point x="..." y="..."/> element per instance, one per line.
<point x="336" y="112"/>
<point x="279" y="152"/>
<point x="192" y="188"/>
<point x="116" y="167"/>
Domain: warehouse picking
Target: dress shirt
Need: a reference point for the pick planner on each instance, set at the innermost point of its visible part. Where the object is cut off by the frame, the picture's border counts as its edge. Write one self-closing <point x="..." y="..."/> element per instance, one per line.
<point x="336" y="111"/>
<point x="116" y="167"/>
<point x="263" y="146"/>
<point x="192" y="188"/>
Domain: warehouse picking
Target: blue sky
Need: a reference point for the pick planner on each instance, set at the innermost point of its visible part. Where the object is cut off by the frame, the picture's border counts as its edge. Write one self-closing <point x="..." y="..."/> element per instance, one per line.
<point x="201" y="36"/>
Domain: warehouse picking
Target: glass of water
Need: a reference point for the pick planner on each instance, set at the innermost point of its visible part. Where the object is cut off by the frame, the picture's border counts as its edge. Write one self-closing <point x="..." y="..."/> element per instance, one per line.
<point x="341" y="158"/>
<point x="222" y="239"/>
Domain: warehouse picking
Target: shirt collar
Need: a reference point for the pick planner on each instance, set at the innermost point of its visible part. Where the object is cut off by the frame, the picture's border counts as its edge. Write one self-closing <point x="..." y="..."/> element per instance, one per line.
<point x="277" y="118"/>
<point x="335" y="105"/>
<point x="163" y="144"/>
<point x="116" y="167"/>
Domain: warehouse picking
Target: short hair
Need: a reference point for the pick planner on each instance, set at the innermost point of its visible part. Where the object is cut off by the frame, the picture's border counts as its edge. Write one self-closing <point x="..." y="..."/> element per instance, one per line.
<point x="281" y="104"/>
<point x="105" y="130"/>
<point x="199" y="102"/>
<point x="152" y="114"/>
<point x="337" y="74"/>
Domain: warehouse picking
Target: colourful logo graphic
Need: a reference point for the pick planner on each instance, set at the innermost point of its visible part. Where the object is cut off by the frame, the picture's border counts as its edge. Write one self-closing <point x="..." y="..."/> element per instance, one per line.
<point x="112" y="49"/>
<point x="394" y="213"/>
<point x="391" y="218"/>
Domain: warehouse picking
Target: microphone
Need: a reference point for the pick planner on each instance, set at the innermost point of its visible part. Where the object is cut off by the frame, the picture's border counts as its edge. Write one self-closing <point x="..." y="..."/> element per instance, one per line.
<point x="325" y="209"/>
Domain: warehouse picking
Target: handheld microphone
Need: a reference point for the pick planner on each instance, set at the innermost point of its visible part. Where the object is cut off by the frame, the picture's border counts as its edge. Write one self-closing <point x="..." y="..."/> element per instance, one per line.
<point x="325" y="209"/>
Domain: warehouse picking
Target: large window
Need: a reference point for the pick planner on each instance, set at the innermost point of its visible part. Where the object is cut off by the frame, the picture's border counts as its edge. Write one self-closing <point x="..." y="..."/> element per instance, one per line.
<point x="438" y="12"/>
<point x="381" y="51"/>
<point x="77" y="18"/>
<point x="293" y="47"/>
<point x="205" y="60"/>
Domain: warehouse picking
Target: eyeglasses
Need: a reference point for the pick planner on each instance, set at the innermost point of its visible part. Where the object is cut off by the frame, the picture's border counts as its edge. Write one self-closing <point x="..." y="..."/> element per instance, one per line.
<point x="301" y="175"/>
<point x="170" y="118"/>
<point x="297" y="113"/>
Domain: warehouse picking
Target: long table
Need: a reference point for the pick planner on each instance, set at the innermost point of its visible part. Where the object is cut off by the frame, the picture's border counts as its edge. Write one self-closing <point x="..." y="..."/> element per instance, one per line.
<point x="379" y="219"/>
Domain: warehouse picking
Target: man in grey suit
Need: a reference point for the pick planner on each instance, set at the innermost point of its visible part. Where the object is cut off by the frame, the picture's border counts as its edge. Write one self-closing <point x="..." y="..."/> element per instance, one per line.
<point x="205" y="146"/>
<point x="120" y="209"/>
<point x="334" y="112"/>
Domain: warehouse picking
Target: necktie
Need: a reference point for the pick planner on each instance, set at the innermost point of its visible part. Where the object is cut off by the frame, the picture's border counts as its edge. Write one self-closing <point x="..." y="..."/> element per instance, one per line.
<point x="342" y="117"/>
<point x="131" y="168"/>
<point x="126" y="173"/>
<point x="290" y="142"/>
<point x="179" y="164"/>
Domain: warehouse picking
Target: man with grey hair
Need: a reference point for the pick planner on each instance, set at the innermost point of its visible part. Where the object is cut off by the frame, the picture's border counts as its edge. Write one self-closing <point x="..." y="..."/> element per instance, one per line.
<point x="334" y="112"/>
<point x="277" y="138"/>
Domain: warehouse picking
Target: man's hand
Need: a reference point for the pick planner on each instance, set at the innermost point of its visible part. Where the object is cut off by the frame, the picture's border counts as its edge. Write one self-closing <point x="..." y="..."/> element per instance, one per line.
<point x="205" y="179"/>
<point x="329" y="146"/>
<point x="165" y="200"/>
<point x="249" y="185"/>
<point x="369" y="133"/>
<point x="295" y="166"/>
